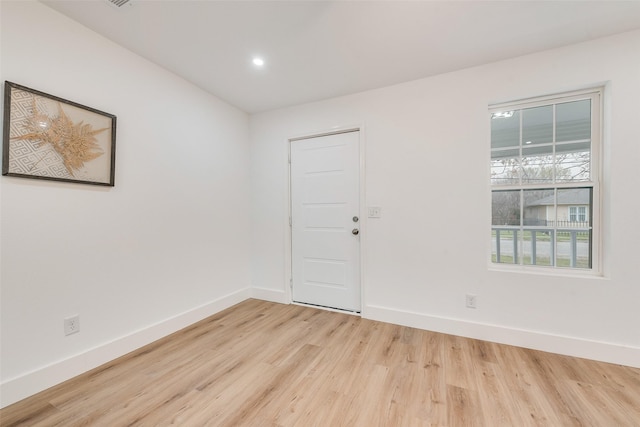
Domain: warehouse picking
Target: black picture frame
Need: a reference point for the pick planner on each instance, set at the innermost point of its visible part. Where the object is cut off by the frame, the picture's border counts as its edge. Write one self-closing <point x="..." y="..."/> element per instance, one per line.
<point x="51" y="138"/>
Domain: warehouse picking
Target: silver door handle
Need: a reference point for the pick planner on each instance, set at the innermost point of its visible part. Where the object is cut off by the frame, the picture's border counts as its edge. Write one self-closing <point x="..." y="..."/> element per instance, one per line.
<point x="355" y="231"/>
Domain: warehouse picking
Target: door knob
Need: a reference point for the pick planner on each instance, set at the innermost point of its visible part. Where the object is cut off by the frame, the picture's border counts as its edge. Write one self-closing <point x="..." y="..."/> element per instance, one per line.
<point x="355" y="219"/>
<point x="355" y="231"/>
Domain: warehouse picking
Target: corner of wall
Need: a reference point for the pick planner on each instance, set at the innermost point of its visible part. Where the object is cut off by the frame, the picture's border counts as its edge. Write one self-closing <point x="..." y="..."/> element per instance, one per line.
<point x="270" y="295"/>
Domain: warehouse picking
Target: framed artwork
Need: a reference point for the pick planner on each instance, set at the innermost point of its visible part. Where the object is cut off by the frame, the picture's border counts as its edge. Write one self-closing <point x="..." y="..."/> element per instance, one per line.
<point x="47" y="137"/>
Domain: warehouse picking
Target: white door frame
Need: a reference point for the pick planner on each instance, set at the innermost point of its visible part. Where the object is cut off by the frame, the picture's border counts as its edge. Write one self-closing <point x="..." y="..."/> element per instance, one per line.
<point x="363" y="210"/>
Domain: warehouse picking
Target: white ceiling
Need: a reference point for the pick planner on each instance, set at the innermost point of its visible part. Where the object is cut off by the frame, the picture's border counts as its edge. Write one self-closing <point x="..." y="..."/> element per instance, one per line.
<point x="322" y="49"/>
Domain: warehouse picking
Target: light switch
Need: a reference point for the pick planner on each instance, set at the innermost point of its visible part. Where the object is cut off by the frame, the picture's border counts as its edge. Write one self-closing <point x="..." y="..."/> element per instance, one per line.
<point x="375" y="211"/>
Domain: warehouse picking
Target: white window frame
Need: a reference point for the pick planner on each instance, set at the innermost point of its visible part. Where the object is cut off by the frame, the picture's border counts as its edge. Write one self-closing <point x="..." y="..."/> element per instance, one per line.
<point x="596" y="95"/>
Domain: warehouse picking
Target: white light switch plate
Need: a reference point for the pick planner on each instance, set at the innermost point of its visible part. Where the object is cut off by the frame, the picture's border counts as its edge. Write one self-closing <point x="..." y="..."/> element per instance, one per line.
<point x="375" y="211"/>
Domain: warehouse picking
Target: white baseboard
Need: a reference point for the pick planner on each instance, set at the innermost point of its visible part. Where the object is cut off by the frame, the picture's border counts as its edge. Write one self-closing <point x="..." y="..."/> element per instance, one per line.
<point x="270" y="295"/>
<point x="570" y="346"/>
<point x="18" y="388"/>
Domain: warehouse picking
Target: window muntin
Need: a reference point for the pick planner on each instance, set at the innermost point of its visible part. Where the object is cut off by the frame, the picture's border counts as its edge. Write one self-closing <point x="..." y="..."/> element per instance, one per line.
<point x="544" y="174"/>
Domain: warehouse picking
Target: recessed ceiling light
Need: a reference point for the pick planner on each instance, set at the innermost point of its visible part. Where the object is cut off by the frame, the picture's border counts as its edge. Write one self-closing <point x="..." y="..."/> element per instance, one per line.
<point x="258" y="62"/>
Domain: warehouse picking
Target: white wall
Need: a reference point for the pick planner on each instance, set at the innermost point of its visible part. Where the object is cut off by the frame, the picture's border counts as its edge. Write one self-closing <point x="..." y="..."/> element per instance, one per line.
<point x="168" y="245"/>
<point x="427" y="151"/>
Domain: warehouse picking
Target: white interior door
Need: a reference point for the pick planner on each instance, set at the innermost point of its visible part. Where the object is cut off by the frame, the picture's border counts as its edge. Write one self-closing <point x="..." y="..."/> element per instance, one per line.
<point x="325" y="212"/>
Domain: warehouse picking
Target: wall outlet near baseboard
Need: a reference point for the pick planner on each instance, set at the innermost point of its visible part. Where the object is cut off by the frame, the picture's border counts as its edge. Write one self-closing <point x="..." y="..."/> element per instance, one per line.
<point x="471" y="300"/>
<point x="72" y="325"/>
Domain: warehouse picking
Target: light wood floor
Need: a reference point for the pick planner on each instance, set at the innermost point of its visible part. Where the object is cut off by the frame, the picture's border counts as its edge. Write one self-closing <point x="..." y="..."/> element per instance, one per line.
<point x="265" y="364"/>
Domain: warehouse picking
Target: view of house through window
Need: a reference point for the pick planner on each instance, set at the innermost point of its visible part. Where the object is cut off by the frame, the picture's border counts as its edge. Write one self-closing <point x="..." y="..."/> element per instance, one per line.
<point x="544" y="177"/>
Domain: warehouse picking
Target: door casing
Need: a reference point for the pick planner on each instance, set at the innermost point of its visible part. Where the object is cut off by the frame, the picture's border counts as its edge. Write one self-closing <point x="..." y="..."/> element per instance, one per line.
<point x="363" y="217"/>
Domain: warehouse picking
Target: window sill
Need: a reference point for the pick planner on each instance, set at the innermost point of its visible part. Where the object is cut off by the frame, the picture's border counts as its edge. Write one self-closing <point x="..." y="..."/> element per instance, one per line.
<point x="547" y="271"/>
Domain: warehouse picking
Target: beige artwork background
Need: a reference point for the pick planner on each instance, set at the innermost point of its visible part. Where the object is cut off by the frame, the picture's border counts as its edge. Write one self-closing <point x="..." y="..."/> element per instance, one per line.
<point x="53" y="139"/>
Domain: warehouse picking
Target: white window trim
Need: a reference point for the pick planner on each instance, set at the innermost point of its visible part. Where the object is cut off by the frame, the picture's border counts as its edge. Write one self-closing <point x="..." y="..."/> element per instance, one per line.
<point x="597" y="96"/>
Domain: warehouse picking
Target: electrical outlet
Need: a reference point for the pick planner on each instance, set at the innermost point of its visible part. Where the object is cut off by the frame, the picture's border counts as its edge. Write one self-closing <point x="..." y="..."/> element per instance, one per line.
<point x="72" y="325"/>
<point x="471" y="300"/>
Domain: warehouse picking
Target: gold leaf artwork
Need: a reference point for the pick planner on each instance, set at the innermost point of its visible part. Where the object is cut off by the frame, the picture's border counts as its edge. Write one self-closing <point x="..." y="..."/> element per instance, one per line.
<point x="74" y="142"/>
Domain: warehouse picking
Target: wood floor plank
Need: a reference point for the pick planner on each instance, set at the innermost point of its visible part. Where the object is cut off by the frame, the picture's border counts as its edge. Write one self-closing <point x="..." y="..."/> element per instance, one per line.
<point x="463" y="407"/>
<point x="532" y="406"/>
<point x="458" y="363"/>
<point x="272" y="365"/>
<point x="495" y="397"/>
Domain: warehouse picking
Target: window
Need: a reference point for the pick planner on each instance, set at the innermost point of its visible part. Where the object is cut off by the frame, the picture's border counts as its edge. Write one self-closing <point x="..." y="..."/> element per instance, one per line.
<point x="545" y="169"/>
<point x="577" y="213"/>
